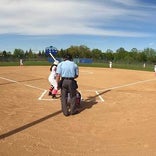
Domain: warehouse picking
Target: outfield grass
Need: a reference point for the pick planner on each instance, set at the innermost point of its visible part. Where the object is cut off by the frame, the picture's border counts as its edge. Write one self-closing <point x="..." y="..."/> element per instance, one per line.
<point x="26" y="63"/>
<point x="149" y="67"/>
<point x="9" y="63"/>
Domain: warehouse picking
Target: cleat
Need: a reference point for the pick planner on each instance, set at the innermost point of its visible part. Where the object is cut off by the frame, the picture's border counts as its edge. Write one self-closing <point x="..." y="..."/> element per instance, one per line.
<point x="53" y="96"/>
<point x="49" y="93"/>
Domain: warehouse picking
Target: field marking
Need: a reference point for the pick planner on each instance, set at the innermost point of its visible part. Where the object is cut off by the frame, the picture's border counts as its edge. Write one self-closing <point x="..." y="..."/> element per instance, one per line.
<point x="30" y="86"/>
<point x="97" y="92"/>
<point x="40" y="98"/>
<point x="22" y="83"/>
<point x="34" y="87"/>
<point x="99" y="96"/>
<point x="48" y="99"/>
<point x="44" y="90"/>
<point x="8" y="79"/>
<point x="126" y="85"/>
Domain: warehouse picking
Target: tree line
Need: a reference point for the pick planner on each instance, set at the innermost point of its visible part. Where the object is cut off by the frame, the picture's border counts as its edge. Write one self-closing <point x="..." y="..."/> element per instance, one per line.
<point x="148" y="55"/>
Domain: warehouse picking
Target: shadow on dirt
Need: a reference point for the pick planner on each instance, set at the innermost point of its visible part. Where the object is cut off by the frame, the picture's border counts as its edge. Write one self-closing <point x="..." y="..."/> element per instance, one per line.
<point x="86" y="104"/>
<point x="19" y="129"/>
<point x="90" y="101"/>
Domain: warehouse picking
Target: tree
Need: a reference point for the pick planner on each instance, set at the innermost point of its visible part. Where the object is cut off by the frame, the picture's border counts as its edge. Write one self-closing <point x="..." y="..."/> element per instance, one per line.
<point x="18" y="53"/>
<point x="109" y="55"/>
<point x="96" y="54"/>
<point x="120" y="54"/>
<point x="30" y="53"/>
<point x="151" y="54"/>
<point x="4" y="54"/>
<point x="134" y="50"/>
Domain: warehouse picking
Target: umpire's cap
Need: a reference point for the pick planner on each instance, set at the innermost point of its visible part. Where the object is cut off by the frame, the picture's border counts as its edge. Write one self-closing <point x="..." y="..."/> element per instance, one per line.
<point x="68" y="56"/>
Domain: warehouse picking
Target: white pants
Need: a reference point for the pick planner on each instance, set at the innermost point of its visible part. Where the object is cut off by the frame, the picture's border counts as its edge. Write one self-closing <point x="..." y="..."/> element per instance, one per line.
<point x="53" y="82"/>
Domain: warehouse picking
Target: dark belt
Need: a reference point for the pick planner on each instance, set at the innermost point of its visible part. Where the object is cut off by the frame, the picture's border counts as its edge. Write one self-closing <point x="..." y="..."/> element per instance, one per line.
<point x="67" y="78"/>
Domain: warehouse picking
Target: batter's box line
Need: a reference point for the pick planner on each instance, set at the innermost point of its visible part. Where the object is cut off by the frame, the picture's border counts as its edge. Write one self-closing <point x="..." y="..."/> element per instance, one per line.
<point x="44" y="99"/>
<point x="45" y="91"/>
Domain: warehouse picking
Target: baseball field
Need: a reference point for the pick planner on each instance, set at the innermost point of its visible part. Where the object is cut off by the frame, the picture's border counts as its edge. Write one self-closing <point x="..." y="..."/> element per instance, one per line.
<point x="117" y="114"/>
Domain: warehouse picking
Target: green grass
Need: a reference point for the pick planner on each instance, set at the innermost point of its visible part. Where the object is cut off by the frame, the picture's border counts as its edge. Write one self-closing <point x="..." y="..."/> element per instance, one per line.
<point x="9" y="63"/>
<point x="26" y="63"/>
<point x="149" y="67"/>
<point x="37" y="63"/>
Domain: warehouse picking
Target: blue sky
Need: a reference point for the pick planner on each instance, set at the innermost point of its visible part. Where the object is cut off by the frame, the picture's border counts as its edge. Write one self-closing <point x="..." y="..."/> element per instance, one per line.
<point x="101" y="24"/>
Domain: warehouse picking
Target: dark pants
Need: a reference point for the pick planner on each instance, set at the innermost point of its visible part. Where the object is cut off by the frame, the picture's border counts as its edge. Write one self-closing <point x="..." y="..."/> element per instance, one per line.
<point x="68" y="86"/>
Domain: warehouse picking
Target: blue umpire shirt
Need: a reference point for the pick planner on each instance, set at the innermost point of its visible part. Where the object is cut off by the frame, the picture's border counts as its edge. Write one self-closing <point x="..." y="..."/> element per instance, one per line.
<point x="67" y="69"/>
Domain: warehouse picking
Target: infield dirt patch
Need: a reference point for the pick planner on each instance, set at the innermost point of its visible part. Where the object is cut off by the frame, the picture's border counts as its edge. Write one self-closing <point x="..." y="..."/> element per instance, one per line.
<point x="117" y="115"/>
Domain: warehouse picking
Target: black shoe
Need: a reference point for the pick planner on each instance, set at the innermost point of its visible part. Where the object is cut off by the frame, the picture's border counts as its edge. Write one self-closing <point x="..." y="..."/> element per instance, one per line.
<point x="49" y="93"/>
<point x="53" y="96"/>
<point x="78" y="106"/>
<point x="75" y="112"/>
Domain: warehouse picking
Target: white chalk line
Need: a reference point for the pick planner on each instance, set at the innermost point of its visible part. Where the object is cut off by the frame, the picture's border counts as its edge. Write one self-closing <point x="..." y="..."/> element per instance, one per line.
<point x="116" y="87"/>
<point x="111" y="88"/>
<point x="8" y="79"/>
<point x="22" y="83"/>
<point x="40" y="98"/>
<point x="42" y="94"/>
<point x="34" y="87"/>
<point x="48" y="99"/>
<point x="99" y="96"/>
<point x="44" y="90"/>
<point x="126" y="85"/>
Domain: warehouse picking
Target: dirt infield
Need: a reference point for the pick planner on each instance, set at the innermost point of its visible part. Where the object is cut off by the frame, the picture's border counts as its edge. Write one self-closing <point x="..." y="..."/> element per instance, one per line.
<point x="117" y="115"/>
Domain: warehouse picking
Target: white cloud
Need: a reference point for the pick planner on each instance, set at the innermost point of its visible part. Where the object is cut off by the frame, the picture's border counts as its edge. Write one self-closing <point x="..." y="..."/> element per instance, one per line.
<point x="46" y="17"/>
<point x="126" y="2"/>
<point x="151" y="44"/>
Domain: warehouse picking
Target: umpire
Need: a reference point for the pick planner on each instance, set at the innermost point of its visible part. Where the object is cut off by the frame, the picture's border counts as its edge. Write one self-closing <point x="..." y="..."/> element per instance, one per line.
<point x="66" y="73"/>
